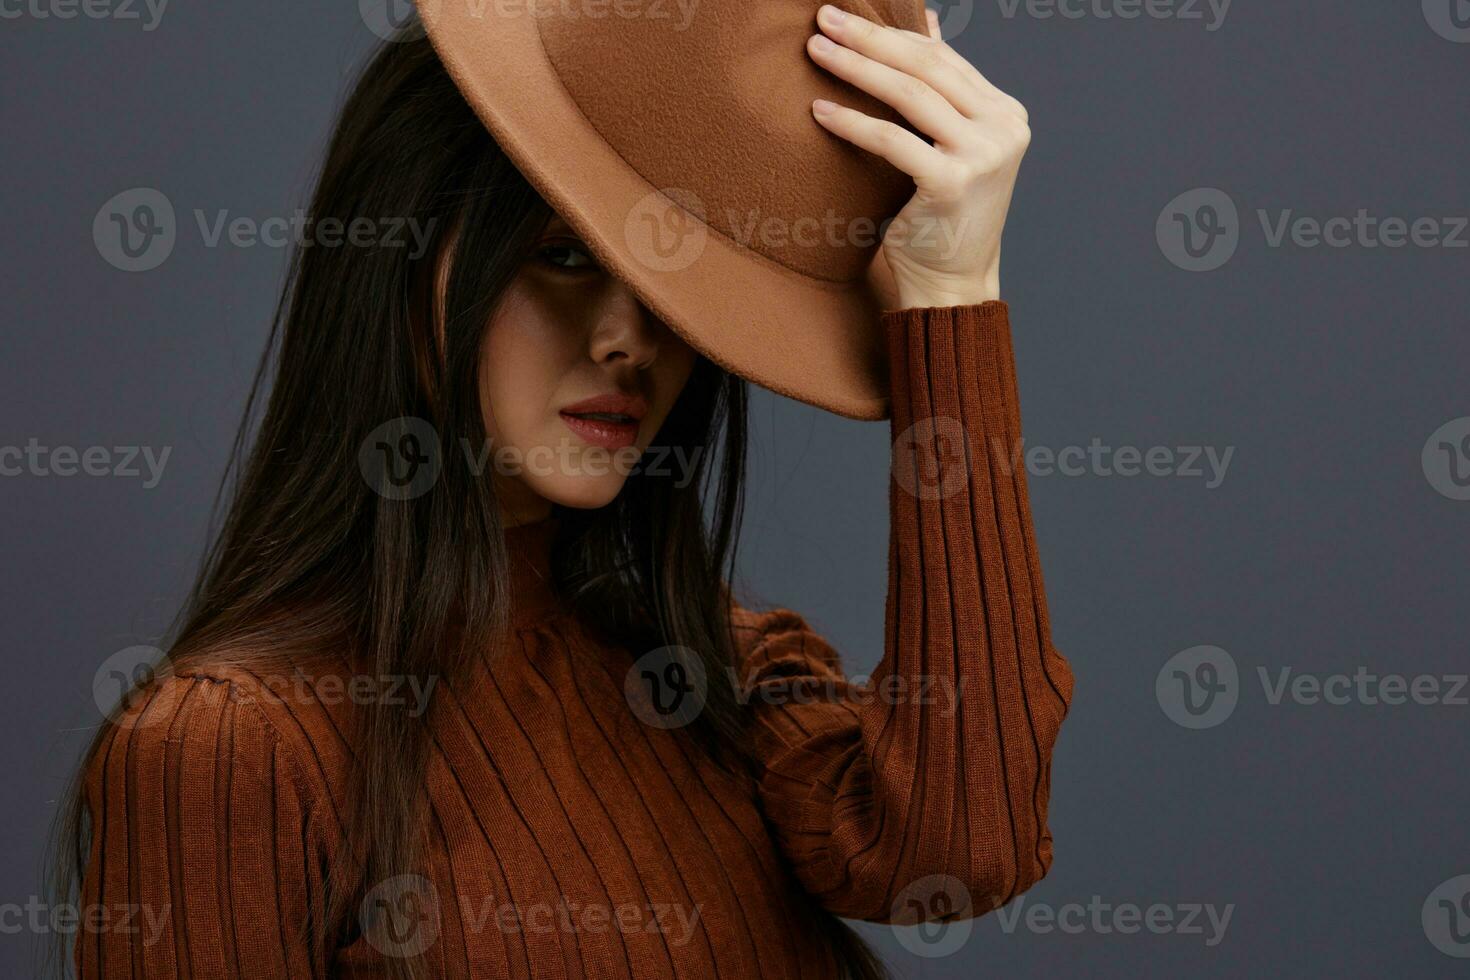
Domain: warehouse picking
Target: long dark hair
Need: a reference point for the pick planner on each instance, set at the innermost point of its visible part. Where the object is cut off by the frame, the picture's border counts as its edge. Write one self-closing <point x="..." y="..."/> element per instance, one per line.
<point x="306" y="550"/>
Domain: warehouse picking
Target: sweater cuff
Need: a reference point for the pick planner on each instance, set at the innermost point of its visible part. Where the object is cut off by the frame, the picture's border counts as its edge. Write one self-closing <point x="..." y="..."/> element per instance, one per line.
<point x="970" y="313"/>
<point x="933" y="351"/>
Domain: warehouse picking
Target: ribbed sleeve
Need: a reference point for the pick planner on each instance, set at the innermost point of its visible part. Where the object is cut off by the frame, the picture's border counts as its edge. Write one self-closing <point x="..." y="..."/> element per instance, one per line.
<point x="204" y="845"/>
<point x="940" y="765"/>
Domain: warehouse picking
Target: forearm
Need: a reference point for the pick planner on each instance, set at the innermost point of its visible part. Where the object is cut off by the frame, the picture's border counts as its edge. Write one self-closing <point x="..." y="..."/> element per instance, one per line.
<point x="966" y="768"/>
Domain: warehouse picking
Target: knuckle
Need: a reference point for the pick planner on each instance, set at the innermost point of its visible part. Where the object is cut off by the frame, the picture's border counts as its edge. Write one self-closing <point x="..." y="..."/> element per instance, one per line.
<point x="1017" y="133"/>
<point x="930" y="58"/>
<point x="913" y="89"/>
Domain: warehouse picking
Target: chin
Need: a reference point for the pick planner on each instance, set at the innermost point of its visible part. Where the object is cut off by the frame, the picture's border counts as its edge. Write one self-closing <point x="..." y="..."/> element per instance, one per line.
<point x="586" y="493"/>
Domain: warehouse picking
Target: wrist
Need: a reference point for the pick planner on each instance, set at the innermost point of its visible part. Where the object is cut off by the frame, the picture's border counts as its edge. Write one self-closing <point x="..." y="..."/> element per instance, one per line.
<point x="926" y="290"/>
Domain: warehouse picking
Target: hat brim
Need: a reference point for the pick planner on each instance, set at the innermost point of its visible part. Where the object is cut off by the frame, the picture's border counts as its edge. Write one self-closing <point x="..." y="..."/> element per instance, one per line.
<point x="813" y="340"/>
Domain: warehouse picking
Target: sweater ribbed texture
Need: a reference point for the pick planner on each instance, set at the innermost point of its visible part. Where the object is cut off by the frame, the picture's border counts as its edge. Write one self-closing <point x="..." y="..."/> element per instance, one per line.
<point x="566" y="837"/>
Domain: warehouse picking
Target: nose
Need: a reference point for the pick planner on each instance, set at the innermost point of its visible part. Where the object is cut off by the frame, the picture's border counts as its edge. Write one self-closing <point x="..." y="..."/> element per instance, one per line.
<point x="624" y="332"/>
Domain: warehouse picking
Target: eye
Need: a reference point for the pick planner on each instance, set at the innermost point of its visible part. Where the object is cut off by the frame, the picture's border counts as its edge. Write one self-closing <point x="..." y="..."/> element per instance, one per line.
<point x="566" y="254"/>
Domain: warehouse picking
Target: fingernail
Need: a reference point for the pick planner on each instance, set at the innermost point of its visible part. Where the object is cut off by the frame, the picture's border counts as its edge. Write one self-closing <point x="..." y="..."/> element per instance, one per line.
<point x="831" y="14"/>
<point x="821" y="43"/>
<point x="821" y="107"/>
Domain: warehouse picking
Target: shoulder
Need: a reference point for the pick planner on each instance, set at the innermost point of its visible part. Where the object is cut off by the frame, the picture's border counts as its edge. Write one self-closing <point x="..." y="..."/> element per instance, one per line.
<point x="265" y="729"/>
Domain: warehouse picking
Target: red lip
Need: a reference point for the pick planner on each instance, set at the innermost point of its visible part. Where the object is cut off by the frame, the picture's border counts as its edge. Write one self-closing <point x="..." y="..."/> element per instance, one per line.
<point x="613" y="404"/>
<point x="608" y="433"/>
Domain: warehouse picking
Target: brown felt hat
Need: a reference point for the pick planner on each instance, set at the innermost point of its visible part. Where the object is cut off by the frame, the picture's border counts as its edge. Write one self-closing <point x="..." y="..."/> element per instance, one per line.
<point x="676" y="137"/>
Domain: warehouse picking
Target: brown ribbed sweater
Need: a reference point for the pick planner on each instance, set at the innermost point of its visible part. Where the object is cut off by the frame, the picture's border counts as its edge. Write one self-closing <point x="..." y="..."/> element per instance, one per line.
<point x="566" y="837"/>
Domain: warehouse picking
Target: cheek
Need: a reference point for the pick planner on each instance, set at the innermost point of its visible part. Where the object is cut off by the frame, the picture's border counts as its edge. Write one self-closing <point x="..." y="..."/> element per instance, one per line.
<point x="519" y="370"/>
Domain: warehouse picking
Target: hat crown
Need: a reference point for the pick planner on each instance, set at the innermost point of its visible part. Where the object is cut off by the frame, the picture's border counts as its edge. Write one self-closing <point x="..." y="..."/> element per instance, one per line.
<point x="713" y="98"/>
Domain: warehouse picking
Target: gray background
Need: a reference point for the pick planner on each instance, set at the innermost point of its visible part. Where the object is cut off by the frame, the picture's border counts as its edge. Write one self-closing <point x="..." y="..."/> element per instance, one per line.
<point x="1326" y="548"/>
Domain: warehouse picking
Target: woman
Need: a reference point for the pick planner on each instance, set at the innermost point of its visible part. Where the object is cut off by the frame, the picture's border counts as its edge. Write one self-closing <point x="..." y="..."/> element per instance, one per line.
<point x="436" y="708"/>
